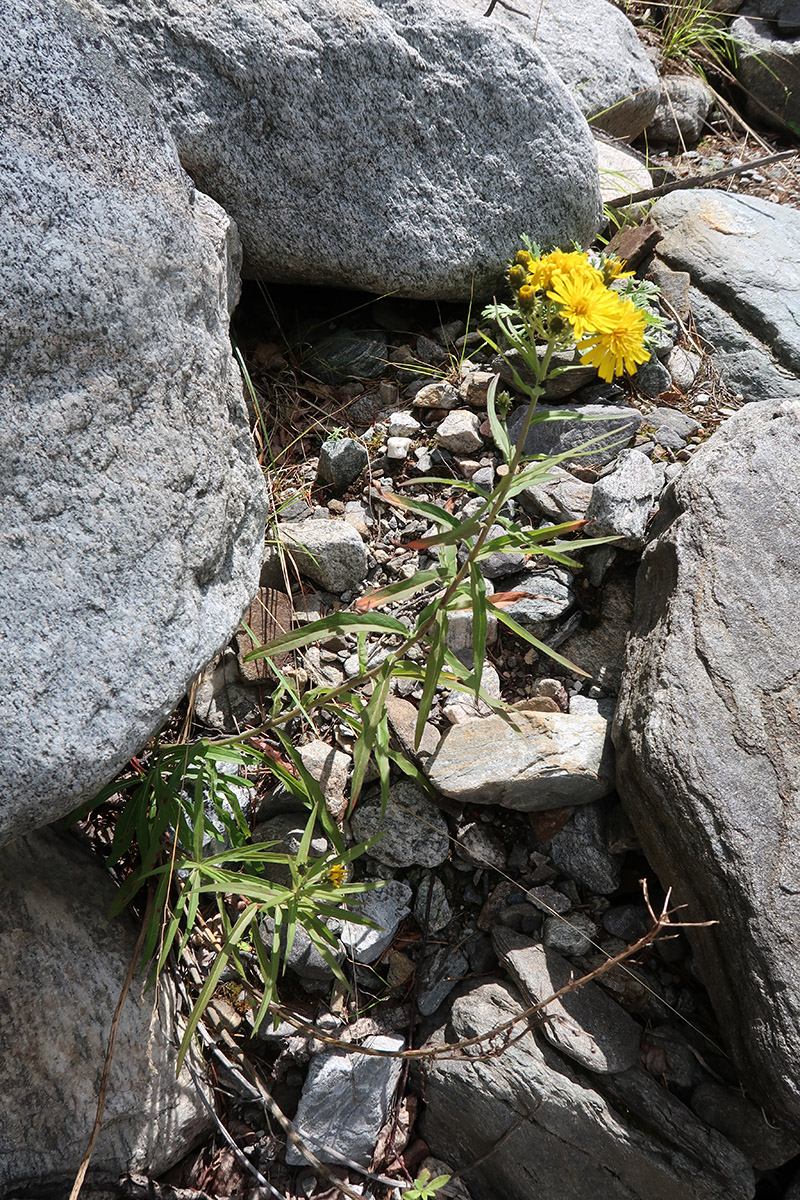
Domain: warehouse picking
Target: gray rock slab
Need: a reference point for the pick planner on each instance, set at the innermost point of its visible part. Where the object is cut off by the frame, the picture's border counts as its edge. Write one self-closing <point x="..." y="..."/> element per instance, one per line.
<point x="550" y="594"/>
<point x="386" y="907"/>
<point x="391" y="148"/>
<point x="439" y="913"/>
<point x="612" y="79"/>
<point x="554" y="759"/>
<point x="580" y="850"/>
<point x="707" y="735"/>
<point x="561" y="498"/>
<point x="133" y="504"/>
<point x="615" y="426"/>
<point x="441" y="970"/>
<point x="622" y="1137"/>
<point x="573" y="937"/>
<point x="768" y="66"/>
<point x="346" y="1099"/>
<point x="332" y="553"/>
<point x="61" y="975"/>
<point x="723" y="239"/>
<point x="624" y="497"/>
<point x="403" y="723"/>
<point x="586" y="1025"/>
<point x="413" y="828"/>
<point x="784" y="13"/>
<point x="683" y="106"/>
<point x="746" y="364"/>
<point x="743" y="1124"/>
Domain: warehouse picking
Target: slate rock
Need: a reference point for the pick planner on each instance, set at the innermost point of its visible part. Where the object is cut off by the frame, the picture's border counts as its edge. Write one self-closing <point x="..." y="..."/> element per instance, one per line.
<point x="63" y="966"/>
<point x="683" y="107"/>
<point x="331" y="553"/>
<point x="346" y="1099"/>
<point x="721" y="239"/>
<point x="612" y="79"/>
<point x="623" y="499"/>
<point x="573" y="936"/>
<point x="615" y="425"/>
<point x="706" y="735"/>
<point x="440" y="913"/>
<point x="475" y="843"/>
<point x="440" y="971"/>
<point x="386" y="906"/>
<point x="652" y="378"/>
<point x="743" y="1124"/>
<point x="580" y="850"/>
<point x="550" y="595"/>
<point x="682" y="423"/>
<point x="599" y="648"/>
<point x="560" y="498"/>
<point x="784" y="13"/>
<point x="341" y="461"/>
<point x="274" y="110"/>
<point x="586" y="1025"/>
<point x="622" y="1137"/>
<point x="745" y="364"/>
<point x="406" y="840"/>
<point x="768" y="66"/>
<point x="133" y="504"/>
<point x="348" y="354"/>
<point x="555" y="759"/>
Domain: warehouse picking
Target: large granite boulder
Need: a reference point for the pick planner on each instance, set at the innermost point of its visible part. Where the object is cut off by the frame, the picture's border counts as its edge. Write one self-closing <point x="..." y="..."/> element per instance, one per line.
<point x="547" y="1128"/>
<point x="596" y="52"/>
<point x="390" y="145"/>
<point x="133" y="504"/>
<point x="708" y="732"/>
<point x="741" y="253"/>
<point x="61" y="973"/>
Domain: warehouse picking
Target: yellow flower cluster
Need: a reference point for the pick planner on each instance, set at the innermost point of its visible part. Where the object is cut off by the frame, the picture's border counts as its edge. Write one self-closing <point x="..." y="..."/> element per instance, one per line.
<point x="336" y="875"/>
<point x="608" y="329"/>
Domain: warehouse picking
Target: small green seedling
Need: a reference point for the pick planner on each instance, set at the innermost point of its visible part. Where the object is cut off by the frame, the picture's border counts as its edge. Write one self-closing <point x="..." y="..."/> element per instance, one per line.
<point x="424" y="1187"/>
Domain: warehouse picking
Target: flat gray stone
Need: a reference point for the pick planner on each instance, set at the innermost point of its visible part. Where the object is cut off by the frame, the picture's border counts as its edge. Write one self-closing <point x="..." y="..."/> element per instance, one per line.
<point x="332" y="553"/>
<point x="133" y="504"/>
<point x="743" y="1124"/>
<point x="407" y="840"/>
<point x="573" y="937"/>
<point x="580" y="850"/>
<point x="615" y="425"/>
<point x="387" y="906"/>
<point x="683" y="106"/>
<point x="673" y="418"/>
<point x="612" y="79"/>
<point x="586" y="1025"/>
<point x="561" y="498"/>
<point x="459" y="432"/>
<point x="622" y="1136"/>
<point x="550" y="595"/>
<point x="346" y="1099"/>
<point x="721" y="239"/>
<point x="624" y="498"/>
<point x="440" y="971"/>
<point x="555" y="759"/>
<point x="707" y="736"/>
<point x="63" y="966"/>
<point x="746" y="365"/>
<point x="279" y="111"/>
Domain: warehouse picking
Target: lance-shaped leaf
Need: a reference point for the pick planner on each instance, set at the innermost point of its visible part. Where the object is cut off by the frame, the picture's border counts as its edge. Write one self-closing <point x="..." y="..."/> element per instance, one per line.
<point x="371" y="717"/>
<point x="511" y="624"/>
<point x="477" y="588"/>
<point x="499" y="431"/>
<point x="399" y="591"/>
<point x="339" y="622"/>
<point x="432" y="671"/>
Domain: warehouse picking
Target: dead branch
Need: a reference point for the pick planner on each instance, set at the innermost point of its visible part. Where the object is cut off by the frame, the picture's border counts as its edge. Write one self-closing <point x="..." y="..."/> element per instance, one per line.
<point x="697" y="181"/>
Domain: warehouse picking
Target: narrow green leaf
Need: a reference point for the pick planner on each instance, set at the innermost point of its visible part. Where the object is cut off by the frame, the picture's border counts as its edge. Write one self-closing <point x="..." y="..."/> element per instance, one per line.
<point x="499" y="431"/>
<point x="438" y="515"/>
<point x="370" y="720"/>
<point x="432" y="673"/>
<point x="338" y="622"/>
<point x="511" y="624"/>
<point x="477" y="587"/>
<point x="400" y="591"/>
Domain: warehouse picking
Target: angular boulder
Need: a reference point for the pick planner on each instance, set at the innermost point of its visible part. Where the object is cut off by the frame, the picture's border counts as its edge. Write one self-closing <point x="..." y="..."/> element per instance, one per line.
<point x="133" y="504"/>
<point x="742" y="253"/>
<point x="389" y="145"/>
<point x="548" y="1129"/>
<point x="61" y="974"/>
<point x="708" y="732"/>
<point x="768" y="66"/>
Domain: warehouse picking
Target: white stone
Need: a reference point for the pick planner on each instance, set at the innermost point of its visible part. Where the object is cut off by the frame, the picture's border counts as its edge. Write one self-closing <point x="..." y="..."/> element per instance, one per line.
<point x="398" y="447"/>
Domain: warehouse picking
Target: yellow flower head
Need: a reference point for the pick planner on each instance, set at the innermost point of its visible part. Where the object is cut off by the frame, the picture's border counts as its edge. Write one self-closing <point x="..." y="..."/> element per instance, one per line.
<point x="568" y="262"/>
<point x="586" y="303"/>
<point x="336" y="875"/>
<point x="612" y="269"/>
<point x="523" y="257"/>
<point x="619" y="346"/>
